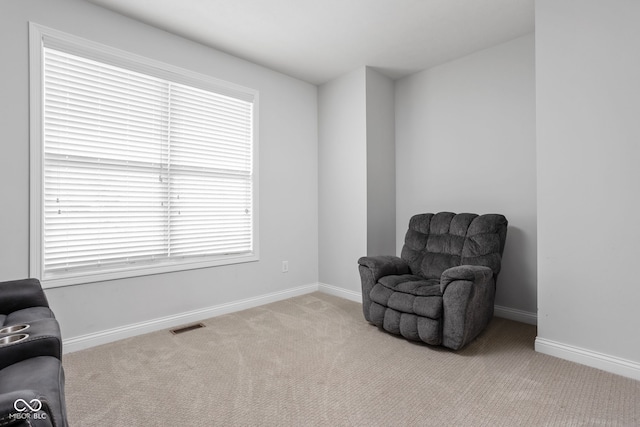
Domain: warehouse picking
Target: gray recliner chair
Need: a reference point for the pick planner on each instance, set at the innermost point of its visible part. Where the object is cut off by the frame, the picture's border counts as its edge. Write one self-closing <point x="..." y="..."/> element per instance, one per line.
<point x="441" y="289"/>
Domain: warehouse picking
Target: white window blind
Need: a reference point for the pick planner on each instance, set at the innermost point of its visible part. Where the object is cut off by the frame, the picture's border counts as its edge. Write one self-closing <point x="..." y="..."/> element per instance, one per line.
<point x="140" y="171"/>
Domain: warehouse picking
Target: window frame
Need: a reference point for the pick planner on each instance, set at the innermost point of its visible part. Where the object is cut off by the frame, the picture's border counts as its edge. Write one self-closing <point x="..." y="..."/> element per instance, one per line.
<point x="39" y="36"/>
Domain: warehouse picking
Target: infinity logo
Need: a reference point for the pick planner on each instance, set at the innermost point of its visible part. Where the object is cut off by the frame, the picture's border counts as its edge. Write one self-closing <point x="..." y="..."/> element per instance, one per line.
<point x="21" y="405"/>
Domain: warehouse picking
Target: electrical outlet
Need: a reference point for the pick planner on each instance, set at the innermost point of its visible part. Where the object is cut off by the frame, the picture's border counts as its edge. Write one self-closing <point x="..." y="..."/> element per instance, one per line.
<point x="285" y="266"/>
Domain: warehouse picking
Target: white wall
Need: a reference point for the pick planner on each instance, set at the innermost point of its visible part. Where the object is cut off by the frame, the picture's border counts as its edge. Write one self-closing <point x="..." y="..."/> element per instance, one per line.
<point x="465" y="142"/>
<point x="288" y="174"/>
<point x="342" y="158"/>
<point x="381" y="164"/>
<point x="588" y="127"/>
<point x="356" y="176"/>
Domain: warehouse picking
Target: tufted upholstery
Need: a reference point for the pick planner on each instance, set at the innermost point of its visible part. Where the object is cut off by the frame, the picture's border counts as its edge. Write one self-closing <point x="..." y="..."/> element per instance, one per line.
<point x="441" y="289"/>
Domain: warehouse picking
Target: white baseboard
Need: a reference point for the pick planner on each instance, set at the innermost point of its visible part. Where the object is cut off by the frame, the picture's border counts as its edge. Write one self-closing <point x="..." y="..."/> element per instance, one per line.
<point x="517" y="315"/>
<point x="103" y="337"/>
<point x="590" y="358"/>
<point x="340" y="292"/>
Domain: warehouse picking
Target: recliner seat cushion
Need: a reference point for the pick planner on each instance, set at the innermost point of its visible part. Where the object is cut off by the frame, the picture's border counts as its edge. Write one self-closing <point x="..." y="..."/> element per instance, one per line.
<point x="413" y="285"/>
<point x="407" y="293"/>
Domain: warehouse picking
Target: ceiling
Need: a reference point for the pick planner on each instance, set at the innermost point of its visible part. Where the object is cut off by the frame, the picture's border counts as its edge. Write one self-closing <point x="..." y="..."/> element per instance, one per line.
<point x="318" y="40"/>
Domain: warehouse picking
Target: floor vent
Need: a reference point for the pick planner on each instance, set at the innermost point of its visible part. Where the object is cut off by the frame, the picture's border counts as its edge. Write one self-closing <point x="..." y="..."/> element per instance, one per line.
<point x="187" y="328"/>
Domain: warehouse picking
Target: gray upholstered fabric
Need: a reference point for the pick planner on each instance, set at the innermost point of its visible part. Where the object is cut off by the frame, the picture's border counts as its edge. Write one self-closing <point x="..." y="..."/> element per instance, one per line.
<point x="441" y="290"/>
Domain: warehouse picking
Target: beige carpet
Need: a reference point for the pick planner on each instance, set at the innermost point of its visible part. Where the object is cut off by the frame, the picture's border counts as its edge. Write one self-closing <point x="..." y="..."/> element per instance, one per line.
<point x="314" y="361"/>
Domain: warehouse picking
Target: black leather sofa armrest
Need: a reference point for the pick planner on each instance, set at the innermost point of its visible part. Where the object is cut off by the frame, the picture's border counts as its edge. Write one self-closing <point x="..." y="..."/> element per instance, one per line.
<point x="44" y="340"/>
<point x="23" y="416"/>
<point x="384" y="265"/>
<point x="473" y="273"/>
<point x="19" y="294"/>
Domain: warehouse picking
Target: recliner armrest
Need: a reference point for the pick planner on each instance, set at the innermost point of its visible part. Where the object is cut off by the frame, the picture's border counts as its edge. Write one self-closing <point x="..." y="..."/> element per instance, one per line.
<point x="473" y="273"/>
<point x="371" y="269"/>
<point x="19" y="294"/>
<point x="468" y="293"/>
<point x="384" y="265"/>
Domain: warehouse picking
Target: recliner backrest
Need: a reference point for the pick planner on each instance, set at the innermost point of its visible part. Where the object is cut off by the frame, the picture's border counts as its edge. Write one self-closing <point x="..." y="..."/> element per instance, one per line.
<point x="435" y="242"/>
